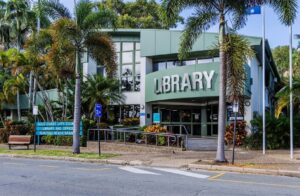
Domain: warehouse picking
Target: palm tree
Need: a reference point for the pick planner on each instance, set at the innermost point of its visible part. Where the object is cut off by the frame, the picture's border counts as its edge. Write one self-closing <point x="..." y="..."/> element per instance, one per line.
<point x="208" y="13"/>
<point x="283" y="96"/>
<point x="97" y="89"/>
<point x="84" y="35"/>
<point x="238" y="50"/>
<point x="19" y="19"/>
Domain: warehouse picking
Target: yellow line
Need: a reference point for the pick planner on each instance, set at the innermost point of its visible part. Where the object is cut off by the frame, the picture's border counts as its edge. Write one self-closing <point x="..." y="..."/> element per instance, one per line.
<point x="257" y="183"/>
<point x="216" y="176"/>
<point x="86" y="169"/>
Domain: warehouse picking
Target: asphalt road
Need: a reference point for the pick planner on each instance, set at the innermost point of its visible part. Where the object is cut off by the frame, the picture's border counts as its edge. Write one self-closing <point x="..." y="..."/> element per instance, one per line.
<point x="46" y="177"/>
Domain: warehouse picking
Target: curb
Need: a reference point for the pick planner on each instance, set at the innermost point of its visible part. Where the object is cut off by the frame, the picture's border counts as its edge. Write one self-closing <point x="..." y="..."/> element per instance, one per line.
<point x="246" y="170"/>
<point x="102" y="161"/>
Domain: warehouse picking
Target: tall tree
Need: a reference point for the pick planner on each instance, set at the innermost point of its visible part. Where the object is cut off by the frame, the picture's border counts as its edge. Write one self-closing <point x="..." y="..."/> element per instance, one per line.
<point x="281" y="58"/>
<point x="208" y="13"/>
<point x="20" y="19"/>
<point x="83" y="33"/>
<point x="140" y="14"/>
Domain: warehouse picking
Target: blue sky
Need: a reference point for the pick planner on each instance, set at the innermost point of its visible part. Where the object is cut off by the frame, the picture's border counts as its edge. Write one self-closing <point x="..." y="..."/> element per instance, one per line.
<point x="276" y="33"/>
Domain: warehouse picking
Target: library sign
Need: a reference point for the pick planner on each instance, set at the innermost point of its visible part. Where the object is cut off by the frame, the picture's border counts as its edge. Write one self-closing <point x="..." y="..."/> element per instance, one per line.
<point x="55" y="128"/>
<point x="187" y="81"/>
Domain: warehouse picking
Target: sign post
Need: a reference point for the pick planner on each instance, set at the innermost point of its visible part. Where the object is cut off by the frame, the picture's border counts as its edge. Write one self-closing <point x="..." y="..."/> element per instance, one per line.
<point x="35" y="112"/>
<point x="98" y="115"/>
<point x="235" y="109"/>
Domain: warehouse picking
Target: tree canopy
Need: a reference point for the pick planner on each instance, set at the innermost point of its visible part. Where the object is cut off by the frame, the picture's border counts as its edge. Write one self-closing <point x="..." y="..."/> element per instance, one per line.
<point x="140" y="14"/>
<point x="281" y="58"/>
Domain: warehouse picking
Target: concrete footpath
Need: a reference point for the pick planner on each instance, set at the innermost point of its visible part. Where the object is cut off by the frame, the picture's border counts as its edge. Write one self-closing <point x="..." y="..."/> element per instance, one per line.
<point x="275" y="162"/>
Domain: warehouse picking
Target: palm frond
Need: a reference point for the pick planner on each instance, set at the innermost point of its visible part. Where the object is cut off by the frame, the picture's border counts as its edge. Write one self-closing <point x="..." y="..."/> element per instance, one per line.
<point x="287" y="10"/>
<point x="52" y="8"/>
<point x="197" y="24"/>
<point x="100" y="47"/>
<point x="238" y="50"/>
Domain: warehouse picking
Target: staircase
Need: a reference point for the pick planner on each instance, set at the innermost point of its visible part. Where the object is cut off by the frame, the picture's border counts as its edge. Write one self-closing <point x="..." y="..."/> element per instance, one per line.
<point x="202" y="143"/>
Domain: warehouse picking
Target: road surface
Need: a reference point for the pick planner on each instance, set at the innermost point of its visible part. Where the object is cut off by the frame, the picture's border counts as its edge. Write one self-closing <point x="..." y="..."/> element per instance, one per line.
<point x="47" y="177"/>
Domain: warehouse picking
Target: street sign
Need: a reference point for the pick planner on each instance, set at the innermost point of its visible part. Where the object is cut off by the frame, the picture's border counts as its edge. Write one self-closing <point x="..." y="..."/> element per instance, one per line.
<point x="35" y="110"/>
<point x="235" y="107"/>
<point x="156" y="118"/>
<point x="98" y="110"/>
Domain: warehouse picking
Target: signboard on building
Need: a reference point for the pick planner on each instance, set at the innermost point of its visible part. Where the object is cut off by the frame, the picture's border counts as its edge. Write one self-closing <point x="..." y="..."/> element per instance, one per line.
<point x="156" y="118"/>
<point x="56" y="128"/>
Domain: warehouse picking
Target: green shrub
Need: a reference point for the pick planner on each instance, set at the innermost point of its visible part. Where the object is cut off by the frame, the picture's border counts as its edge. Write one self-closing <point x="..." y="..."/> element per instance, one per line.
<point x="131" y="121"/>
<point x="15" y="128"/>
<point x="4" y="134"/>
<point x="277" y="133"/>
<point x="57" y="140"/>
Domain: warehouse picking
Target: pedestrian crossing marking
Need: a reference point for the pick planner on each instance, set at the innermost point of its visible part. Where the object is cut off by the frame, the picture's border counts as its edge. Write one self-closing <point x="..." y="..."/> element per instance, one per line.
<point x="137" y="171"/>
<point x="184" y="173"/>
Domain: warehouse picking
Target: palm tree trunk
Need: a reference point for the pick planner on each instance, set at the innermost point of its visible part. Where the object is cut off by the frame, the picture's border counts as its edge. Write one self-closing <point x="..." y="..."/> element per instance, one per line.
<point x="18" y="92"/>
<point x="30" y="89"/>
<point x="77" y="106"/>
<point x="220" y="157"/>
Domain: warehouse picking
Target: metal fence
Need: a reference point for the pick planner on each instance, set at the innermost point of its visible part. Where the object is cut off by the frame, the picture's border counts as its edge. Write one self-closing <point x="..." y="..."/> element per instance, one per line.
<point x="138" y="137"/>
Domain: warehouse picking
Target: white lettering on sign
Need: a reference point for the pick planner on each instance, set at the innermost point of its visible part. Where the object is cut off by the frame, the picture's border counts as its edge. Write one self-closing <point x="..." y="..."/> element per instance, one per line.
<point x="175" y="83"/>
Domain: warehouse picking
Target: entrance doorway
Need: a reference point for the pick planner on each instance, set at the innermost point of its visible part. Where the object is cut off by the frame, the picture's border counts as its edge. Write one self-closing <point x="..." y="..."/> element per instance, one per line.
<point x="197" y="121"/>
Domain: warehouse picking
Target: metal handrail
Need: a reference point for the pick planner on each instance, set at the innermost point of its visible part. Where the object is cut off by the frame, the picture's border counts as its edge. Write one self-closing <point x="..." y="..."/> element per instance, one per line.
<point x="123" y="131"/>
<point x="185" y="129"/>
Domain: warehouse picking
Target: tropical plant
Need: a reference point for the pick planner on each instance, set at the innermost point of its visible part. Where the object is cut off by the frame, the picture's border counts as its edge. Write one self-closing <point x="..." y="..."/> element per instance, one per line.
<point x="277" y="130"/>
<point x="140" y="14"/>
<point x="18" y="20"/>
<point x="281" y="58"/>
<point x="97" y="89"/>
<point x="208" y="13"/>
<point x="238" y="50"/>
<point x="283" y="96"/>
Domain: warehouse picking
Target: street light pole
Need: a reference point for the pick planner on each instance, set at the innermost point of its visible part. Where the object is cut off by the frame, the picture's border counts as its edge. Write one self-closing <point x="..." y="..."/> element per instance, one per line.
<point x="263" y="79"/>
<point x="291" y="94"/>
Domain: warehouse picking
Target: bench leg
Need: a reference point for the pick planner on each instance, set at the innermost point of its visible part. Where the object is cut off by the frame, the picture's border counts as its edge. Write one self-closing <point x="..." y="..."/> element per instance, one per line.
<point x="27" y="147"/>
<point x="9" y="147"/>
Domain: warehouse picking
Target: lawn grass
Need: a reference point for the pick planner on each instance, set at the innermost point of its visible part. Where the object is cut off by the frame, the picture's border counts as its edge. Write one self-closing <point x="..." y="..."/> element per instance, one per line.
<point x="57" y="153"/>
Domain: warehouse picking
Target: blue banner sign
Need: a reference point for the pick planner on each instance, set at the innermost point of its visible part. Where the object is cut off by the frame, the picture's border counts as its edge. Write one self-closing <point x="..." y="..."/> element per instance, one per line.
<point x="98" y="110"/>
<point x="56" y="128"/>
<point x="156" y="118"/>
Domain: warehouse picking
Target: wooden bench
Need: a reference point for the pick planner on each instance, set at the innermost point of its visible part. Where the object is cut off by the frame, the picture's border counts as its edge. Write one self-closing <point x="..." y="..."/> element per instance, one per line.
<point x="16" y="140"/>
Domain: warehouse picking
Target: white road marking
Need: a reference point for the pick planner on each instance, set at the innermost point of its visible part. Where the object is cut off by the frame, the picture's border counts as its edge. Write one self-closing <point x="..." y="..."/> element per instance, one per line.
<point x="90" y="169"/>
<point x="184" y="173"/>
<point x="11" y="163"/>
<point x="137" y="171"/>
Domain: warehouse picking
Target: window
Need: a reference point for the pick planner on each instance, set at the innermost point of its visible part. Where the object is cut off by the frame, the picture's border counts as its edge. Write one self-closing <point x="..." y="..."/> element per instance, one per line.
<point x="117" y="46"/>
<point x="159" y="66"/>
<point x="137" y="56"/>
<point x="100" y="70"/>
<point x="127" y="57"/>
<point x="137" y="81"/>
<point x="127" y="46"/>
<point x="201" y="61"/>
<point x="129" y="65"/>
<point x="189" y="62"/>
<point x="127" y="78"/>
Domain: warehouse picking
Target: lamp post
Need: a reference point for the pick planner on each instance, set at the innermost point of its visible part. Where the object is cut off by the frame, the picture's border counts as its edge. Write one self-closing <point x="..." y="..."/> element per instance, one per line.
<point x="235" y="109"/>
